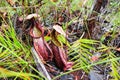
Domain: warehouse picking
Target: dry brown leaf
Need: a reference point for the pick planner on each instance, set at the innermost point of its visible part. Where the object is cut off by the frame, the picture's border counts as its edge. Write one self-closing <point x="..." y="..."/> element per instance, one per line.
<point x="33" y="15"/>
<point x="118" y="49"/>
<point x="11" y="2"/>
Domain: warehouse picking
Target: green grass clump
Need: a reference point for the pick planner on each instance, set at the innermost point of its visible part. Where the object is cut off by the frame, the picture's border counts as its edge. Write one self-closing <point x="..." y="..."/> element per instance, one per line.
<point x="15" y="57"/>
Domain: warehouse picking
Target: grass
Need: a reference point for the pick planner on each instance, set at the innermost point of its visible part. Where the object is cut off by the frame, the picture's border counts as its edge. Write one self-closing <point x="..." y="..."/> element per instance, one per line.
<point x="16" y="60"/>
<point x="15" y="57"/>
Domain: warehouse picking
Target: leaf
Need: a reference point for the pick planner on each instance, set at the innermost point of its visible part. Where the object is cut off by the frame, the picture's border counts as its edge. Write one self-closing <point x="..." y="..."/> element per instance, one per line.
<point x="11" y="2"/>
<point x="63" y="40"/>
<point x="60" y="58"/>
<point x="8" y="73"/>
<point x="54" y="0"/>
<point x="14" y="53"/>
<point x="43" y="49"/>
<point x="88" y="41"/>
<point x="118" y="49"/>
<point x="36" y="30"/>
<point x="41" y="46"/>
<point x="47" y="38"/>
<point x="59" y="30"/>
<point x="54" y="38"/>
<point x="88" y="46"/>
<point x="30" y="16"/>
